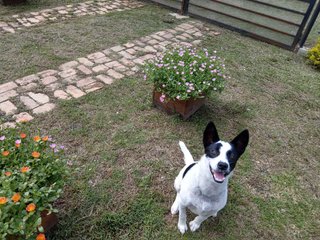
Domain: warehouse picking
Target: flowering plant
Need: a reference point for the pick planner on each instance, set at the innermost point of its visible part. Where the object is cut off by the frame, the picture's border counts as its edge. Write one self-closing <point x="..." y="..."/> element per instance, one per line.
<point x="184" y="73"/>
<point x="314" y="55"/>
<point x="32" y="175"/>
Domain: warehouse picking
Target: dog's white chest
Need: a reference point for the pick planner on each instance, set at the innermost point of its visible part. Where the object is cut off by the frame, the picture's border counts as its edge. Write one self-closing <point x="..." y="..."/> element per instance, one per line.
<point x="202" y="205"/>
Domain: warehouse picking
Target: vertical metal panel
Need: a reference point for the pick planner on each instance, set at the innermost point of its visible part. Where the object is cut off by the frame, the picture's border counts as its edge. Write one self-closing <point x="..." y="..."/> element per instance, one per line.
<point x="279" y="22"/>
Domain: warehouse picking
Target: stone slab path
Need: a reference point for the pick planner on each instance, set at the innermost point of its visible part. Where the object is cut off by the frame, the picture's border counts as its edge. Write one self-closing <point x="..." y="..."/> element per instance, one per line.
<point x="26" y="97"/>
<point x="97" y="7"/>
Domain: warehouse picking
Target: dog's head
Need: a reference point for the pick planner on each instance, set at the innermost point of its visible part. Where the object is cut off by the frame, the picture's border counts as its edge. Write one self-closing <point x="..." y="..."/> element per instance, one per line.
<point x="223" y="156"/>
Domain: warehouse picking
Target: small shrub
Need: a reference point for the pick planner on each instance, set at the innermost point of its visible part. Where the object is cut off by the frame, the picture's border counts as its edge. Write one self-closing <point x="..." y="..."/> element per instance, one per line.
<point x="32" y="175"/>
<point x="314" y="54"/>
<point x="184" y="73"/>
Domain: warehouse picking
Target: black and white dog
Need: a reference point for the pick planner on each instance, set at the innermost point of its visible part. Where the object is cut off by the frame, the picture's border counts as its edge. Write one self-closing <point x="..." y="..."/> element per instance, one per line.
<point x="203" y="186"/>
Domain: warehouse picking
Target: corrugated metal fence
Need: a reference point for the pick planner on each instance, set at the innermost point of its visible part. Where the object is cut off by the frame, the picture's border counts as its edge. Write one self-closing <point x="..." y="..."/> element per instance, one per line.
<point x="284" y="23"/>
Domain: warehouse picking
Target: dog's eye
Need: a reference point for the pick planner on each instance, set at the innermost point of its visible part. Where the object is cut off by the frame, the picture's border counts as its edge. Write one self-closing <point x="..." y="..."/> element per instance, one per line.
<point x="214" y="153"/>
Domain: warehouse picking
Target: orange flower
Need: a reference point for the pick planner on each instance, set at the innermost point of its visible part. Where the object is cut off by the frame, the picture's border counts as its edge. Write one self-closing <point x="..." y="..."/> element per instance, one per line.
<point x="25" y="169"/>
<point x="8" y="174"/>
<point x="23" y="135"/>
<point x="16" y="197"/>
<point x="35" y="154"/>
<point x="31" y="207"/>
<point x="17" y="145"/>
<point x="3" y="200"/>
<point x="5" y="153"/>
<point x="45" y="138"/>
<point x="41" y="236"/>
<point x="37" y="138"/>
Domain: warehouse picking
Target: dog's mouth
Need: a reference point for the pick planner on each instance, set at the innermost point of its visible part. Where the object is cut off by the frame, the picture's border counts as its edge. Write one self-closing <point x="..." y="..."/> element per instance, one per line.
<point x="218" y="176"/>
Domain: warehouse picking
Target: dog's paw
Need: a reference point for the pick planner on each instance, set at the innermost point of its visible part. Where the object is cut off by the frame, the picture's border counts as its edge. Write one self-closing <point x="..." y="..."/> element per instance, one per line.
<point x="194" y="226"/>
<point x="183" y="228"/>
<point x="174" y="209"/>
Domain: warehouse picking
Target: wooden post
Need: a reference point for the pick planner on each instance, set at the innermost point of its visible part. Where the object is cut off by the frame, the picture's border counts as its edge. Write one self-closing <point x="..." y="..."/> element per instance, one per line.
<point x="184" y="7"/>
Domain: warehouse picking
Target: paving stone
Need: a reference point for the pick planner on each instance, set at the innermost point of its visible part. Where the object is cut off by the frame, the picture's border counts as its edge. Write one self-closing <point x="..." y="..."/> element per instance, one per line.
<point x="158" y="37"/>
<point x="185" y="26"/>
<point x="120" y="68"/>
<point x="39" y="97"/>
<point x="74" y="91"/>
<point x="27" y="79"/>
<point x="100" y="68"/>
<point x="8" y="107"/>
<point x="85" y="81"/>
<point x="196" y="42"/>
<point x="102" y="60"/>
<point x="9" y="29"/>
<point x="149" y="49"/>
<point x="198" y="34"/>
<point x="7" y="86"/>
<point x="117" y="48"/>
<point x="48" y="80"/>
<point x="8" y="94"/>
<point x="93" y="86"/>
<point x="28" y="102"/>
<point x="95" y="55"/>
<point x="67" y="73"/>
<point x="33" y="20"/>
<point x="28" y="87"/>
<point x="129" y="45"/>
<point x="168" y="36"/>
<point x="3" y="24"/>
<point x="139" y="61"/>
<point x="44" y="108"/>
<point x="85" y="62"/>
<point x="105" y="79"/>
<point x="147" y="57"/>
<point x="112" y="64"/>
<point x="114" y="74"/>
<point x="22" y="117"/>
<point x="131" y="51"/>
<point x="84" y="69"/>
<point x="126" y="55"/>
<point x="61" y="95"/>
<point x="127" y="62"/>
<point x="68" y="65"/>
<point x="52" y="87"/>
<point x="153" y="42"/>
<point x="139" y="43"/>
<point x="47" y="73"/>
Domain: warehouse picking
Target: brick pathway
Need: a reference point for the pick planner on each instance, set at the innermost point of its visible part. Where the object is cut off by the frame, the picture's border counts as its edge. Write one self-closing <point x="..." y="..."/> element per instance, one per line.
<point x="97" y="7"/>
<point x="38" y="93"/>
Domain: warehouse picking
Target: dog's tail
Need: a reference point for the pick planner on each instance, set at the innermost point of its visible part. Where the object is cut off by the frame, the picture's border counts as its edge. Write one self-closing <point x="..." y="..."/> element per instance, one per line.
<point x="188" y="159"/>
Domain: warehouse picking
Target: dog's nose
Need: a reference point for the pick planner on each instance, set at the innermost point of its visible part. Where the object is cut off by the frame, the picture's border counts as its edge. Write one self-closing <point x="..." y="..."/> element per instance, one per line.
<point x="222" y="166"/>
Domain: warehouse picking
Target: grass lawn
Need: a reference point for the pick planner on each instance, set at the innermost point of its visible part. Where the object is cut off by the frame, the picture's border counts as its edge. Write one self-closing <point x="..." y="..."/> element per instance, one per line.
<point x="124" y="154"/>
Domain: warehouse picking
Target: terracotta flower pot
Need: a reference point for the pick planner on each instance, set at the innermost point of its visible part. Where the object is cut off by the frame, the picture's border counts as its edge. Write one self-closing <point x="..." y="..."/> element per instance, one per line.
<point x="184" y="107"/>
<point x="47" y="222"/>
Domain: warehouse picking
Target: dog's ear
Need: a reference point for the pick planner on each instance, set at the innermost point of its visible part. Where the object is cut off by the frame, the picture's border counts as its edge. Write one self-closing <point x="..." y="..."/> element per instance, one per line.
<point x="210" y="135"/>
<point x="241" y="141"/>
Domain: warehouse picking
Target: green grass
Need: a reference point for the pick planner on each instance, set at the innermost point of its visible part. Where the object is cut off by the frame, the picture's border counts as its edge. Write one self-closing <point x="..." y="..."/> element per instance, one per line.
<point x="124" y="154"/>
<point x="51" y="45"/>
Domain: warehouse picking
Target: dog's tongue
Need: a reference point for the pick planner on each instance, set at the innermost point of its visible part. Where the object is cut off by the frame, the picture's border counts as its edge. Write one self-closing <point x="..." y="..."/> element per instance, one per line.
<point x="219" y="176"/>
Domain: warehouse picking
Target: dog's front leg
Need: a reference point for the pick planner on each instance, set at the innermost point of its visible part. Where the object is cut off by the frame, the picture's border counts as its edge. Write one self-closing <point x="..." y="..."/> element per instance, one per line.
<point x="195" y="224"/>
<point x="182" y="223"/>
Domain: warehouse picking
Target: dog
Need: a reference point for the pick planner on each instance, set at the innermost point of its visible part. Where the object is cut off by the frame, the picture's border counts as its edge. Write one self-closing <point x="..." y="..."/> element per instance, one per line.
<point x="202" y="186"/>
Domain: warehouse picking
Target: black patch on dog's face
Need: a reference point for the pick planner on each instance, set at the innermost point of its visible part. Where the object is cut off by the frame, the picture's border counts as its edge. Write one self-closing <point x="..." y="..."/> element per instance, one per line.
<point x="213" y="150"/>
<point x="232" y="157"/>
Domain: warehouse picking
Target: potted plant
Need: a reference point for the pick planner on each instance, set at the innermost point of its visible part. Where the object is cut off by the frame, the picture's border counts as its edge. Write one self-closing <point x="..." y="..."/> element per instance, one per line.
<point x="32" y="174"/>
<point x="183" y="77"/>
